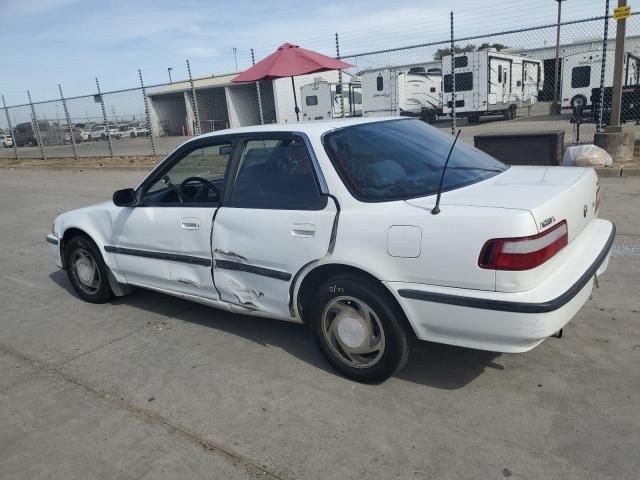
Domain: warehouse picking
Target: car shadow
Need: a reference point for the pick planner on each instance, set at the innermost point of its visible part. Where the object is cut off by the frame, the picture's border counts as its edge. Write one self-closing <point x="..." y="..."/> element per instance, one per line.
<point x="431" y="364"/>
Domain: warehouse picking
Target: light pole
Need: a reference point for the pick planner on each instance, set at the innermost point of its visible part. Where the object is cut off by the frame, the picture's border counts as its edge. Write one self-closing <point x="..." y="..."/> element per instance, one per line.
<point x="235" y="56"/>
<point x="555" y="106"/>
<point x="169" y="70"/>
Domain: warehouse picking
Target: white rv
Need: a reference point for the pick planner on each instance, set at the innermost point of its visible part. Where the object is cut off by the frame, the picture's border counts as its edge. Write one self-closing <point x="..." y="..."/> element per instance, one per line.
<point x="491" y="83"/>
<point x="581" y="73"/>
<point x="413" y="92"/>
<point x="321" y="100"/>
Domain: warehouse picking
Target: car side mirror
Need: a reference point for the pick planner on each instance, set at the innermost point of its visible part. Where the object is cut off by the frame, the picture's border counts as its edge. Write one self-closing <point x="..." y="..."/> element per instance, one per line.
<point x="125" y="198"/>
<point x="224" y="150"/>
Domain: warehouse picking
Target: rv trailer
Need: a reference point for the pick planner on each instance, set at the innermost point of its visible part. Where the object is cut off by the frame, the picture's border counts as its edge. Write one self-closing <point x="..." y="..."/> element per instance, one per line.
<point x="491" y="83"/>
<point x="321" y="100"/>
<point x="581" y="73"/>
<point x="411" y="92"/>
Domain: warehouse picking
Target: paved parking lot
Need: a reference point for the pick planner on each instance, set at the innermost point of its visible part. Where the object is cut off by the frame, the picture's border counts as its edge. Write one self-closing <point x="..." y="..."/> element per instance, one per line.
<point x="151" y="387"/>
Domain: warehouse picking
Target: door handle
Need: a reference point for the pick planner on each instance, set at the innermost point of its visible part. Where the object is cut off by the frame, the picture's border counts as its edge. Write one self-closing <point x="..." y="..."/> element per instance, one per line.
<point x="190" y="223"/>
<point x="304" y="230"/>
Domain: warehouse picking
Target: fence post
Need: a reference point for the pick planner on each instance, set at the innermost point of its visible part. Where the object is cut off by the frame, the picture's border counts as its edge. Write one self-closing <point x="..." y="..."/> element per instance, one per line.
<point x="339" y="78"/>
<point x="13" y="140"/>
<point x="453" y="81"/>
<point x="68" y="117"/>
<point x="146" y="113"/>
<point x="253" y="62"/>
<point x="36" y="127"/>
<point x="195" y="101"/>
<point x="104" y="117"/>
<point x="604" y="62"/>
<point x="616" y="90"/>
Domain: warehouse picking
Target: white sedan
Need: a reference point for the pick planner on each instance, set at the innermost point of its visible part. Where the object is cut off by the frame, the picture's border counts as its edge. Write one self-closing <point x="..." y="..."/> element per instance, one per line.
<point x="334" y="224"/>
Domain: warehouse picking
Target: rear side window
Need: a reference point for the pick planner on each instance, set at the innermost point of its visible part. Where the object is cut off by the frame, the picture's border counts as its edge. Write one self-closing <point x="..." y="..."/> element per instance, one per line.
<point x="401" y="159"/>
<point x="461" y="62"/>
<point x="581" y="77"/>
<point x="276" y="174"/>
<point x="464" y="82"/>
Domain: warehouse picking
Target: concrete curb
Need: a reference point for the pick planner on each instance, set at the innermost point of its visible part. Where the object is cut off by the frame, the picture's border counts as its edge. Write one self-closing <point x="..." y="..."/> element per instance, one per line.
<point x="629" y="170"/>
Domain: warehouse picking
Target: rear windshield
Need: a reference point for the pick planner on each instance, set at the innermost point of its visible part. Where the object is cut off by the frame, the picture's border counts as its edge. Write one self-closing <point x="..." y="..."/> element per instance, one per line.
<point x="401" y="159"/>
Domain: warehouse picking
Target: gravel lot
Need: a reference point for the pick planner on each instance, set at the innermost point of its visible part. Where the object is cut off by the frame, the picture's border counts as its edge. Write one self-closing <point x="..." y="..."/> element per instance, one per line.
<point x="151" y="387"/>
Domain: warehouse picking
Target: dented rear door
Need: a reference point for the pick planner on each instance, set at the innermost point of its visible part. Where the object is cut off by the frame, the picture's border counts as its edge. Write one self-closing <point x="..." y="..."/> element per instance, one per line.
<point x="276" y="221"/>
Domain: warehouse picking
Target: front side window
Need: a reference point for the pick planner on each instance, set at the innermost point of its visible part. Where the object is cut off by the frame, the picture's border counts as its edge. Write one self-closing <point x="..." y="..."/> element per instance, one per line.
<point x="581" y="77"/>
<point x="276" y="174"/>
<point x="464" y="82"/>
<point x="198" y="177"/>
<point x="401" y="159"/>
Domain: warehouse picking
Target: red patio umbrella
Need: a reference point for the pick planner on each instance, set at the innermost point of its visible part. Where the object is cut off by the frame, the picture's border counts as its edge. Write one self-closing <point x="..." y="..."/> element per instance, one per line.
<point x="290" y="61"/>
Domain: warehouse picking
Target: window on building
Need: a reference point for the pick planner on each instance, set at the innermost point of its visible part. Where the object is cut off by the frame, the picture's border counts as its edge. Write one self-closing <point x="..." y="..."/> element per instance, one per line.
<point x="311" y="100"/>
<point x="379" y="83"/>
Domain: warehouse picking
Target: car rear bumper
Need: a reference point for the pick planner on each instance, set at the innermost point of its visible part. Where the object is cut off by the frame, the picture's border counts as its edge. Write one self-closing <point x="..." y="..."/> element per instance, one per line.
<point x="53" y="243"/>
<point x="508" y="322"/>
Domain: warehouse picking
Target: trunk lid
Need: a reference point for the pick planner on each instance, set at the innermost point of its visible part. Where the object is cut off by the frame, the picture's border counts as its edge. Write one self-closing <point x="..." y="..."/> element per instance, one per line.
<point x="550" y="194"/>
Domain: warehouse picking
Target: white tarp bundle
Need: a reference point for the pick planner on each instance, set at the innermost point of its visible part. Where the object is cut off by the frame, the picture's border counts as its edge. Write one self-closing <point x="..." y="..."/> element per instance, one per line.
<point x="586" y="156"/>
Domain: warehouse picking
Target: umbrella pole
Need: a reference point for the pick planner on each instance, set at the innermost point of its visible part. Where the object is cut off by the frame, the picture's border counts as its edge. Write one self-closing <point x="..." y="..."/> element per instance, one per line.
<point x="295" y="100"/>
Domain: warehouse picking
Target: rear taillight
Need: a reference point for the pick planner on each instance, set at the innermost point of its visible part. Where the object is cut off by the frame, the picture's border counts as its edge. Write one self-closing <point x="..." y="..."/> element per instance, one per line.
<point x="523" y="253"/>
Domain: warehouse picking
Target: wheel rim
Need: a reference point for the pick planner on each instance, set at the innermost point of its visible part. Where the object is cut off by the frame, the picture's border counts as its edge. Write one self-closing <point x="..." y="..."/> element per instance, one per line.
<point x="85" y="271"/>
<point x="353" y="332"/>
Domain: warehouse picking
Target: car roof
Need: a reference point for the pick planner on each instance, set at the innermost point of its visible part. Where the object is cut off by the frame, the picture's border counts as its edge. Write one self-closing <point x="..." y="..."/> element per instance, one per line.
<point x="315" y="128"/>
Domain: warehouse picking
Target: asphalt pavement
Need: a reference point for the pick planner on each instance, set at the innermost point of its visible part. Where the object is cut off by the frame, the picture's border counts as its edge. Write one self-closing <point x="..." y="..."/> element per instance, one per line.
<point x="152" y="387"/>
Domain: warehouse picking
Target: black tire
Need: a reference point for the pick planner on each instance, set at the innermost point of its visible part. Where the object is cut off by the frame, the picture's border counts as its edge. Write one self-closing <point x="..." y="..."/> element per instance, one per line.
<point x="33" y="142"/>
<point x="132" y="134"/>
<point x="512" y="112"/>
<point x="100" y="292"/>
<point x="578" y="103"/>
<point x="396" y="333"/>
<point x="103" y="136"/>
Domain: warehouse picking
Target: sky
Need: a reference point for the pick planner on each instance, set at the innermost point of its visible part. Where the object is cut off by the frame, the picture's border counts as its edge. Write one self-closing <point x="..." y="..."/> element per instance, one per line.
<point x="71" y="42"/>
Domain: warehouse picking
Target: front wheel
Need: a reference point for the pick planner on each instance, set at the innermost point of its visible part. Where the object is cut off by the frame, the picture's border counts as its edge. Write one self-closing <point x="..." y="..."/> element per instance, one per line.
<point x="359" y="329"/>
<point x="86" y="270"/>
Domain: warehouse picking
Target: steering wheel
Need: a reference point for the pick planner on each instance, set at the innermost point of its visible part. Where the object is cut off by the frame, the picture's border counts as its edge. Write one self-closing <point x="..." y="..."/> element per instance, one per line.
<point x="204" y="185"/>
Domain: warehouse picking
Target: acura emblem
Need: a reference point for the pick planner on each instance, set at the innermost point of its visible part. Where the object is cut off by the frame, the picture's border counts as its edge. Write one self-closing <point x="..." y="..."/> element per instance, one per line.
<point x="584" y="211"/>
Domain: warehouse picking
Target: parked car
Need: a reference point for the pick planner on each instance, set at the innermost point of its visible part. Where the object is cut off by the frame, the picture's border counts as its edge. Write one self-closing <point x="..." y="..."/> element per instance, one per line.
<point x="84" y="134"/>
<point x="132" y="131"/>
<point x="25" y="134"/>
<point x="77" y="136"/>
<point x="334" y="224"/>
<point x="99" y="132"/>
<point x="6" y="140"/>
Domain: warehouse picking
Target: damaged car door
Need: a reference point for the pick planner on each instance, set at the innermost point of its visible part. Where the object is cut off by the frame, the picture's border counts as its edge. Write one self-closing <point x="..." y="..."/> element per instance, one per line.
<point x="164" y="241"/>
<point x="278" y="219"/>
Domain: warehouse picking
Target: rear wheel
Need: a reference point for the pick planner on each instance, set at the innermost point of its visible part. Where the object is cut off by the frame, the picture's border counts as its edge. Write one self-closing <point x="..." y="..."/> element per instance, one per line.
<point x="132" y="134"/>
<point x="86" y="270"/>
<point x="359" y="329"/>
<point x="578" y="103"/>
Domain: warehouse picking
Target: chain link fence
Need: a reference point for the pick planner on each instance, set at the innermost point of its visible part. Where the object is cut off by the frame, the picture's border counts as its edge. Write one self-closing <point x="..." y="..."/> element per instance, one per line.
<point x="504" y="82"/>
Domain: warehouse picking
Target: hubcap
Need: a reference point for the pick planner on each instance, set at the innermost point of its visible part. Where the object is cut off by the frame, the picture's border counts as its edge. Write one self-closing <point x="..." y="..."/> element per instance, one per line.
<point x="85" y="270"/>
<point x="353" y="332"/>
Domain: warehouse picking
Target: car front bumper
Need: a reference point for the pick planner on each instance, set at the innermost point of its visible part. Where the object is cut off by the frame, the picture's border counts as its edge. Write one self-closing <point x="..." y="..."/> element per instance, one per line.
<point x="507" y="322"/>
<point x="53" y="243"/>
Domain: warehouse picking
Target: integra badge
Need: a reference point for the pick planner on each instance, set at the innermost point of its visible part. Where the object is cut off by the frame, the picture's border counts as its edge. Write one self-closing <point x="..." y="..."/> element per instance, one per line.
<point x="547" y="221"/>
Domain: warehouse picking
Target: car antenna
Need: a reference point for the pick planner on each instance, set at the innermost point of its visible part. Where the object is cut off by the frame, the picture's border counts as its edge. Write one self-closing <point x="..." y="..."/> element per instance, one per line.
<point x="436" y="209"/>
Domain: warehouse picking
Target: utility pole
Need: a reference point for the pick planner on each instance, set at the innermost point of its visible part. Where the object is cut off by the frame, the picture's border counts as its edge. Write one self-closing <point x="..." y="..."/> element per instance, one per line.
<point x="555" y="108"/>
<point x="169" y="70"/>
<point x="616" y="96"/>
<point x="617" y="143"/>
<point x="235" y="56"/>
